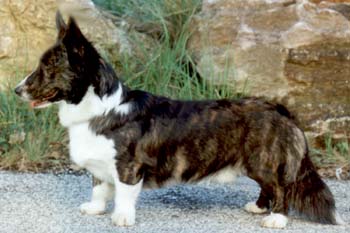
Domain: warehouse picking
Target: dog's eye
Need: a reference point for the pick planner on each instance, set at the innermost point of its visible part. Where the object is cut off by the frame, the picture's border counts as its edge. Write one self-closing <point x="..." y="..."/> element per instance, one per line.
<point x="30" y="80"/>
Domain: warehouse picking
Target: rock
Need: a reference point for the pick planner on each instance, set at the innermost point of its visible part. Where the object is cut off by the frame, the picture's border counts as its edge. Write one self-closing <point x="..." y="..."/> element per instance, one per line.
<point x="28" y="28"/>
<point x="294" y="52"/>
<point x="113" y="37"/>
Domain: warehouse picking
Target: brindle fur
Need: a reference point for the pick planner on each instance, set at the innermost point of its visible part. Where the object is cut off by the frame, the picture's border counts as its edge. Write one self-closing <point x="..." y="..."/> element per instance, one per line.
<point x="163" y="139"/>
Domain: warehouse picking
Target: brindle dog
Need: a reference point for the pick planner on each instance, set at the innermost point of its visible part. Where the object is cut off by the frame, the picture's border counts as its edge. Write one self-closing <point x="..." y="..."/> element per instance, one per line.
<point x="131" y="138"/>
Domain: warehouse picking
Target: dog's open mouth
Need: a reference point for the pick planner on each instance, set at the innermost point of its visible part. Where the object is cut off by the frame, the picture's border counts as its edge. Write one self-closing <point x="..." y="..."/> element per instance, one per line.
<point x="44" y="100"/>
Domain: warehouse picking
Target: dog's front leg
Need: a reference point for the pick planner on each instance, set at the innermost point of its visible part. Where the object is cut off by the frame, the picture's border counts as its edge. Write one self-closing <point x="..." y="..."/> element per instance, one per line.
<point x="101" y="193"/>
<point x="129" y="189"/>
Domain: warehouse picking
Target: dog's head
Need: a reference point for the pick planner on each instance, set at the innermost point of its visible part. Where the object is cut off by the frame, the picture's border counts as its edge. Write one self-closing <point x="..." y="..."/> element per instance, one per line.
<point x="64" y="71"/>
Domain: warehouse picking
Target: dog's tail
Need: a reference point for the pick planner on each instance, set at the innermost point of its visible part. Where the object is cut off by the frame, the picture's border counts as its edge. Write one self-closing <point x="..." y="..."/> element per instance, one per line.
<point x="311" y="197"/>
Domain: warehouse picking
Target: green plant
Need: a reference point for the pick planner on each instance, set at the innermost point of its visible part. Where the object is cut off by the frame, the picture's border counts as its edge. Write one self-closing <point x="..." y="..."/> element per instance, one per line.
<point x="154" y="16"/>
<point x="333" y="153"/>
<point x="28" y="137"/>
<point x="168" y="69"/>
<point x="343" y="149"/>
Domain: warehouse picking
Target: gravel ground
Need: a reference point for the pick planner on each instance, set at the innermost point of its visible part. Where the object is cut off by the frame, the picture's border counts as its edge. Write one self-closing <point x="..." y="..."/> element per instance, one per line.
<point x="49" y="203"/>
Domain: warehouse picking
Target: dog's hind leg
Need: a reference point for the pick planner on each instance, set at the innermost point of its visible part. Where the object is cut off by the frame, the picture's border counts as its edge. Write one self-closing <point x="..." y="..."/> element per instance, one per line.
<point x="101" y="193"/>
<point x="278" y="216"/>
<point x="271" y="193"/>
<point x="261" y="205"/>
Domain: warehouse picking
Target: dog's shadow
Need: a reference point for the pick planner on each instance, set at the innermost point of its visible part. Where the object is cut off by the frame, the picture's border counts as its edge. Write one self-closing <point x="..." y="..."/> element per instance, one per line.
<point x="193" y="197"/>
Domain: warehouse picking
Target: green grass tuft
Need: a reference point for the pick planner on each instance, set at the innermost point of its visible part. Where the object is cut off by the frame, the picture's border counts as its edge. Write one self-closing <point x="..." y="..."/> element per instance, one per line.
<point x="166" y="17"/>
<point x="29" y="140"/>
<point x="333" y="160"/>
<point x="169" y="69"/>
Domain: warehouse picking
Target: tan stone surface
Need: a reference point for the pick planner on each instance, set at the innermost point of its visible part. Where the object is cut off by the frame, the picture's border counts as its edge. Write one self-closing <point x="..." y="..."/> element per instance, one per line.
<point x="295" y="52"/>
<point x="28" y="27"/>
<point x="24" y="24"/>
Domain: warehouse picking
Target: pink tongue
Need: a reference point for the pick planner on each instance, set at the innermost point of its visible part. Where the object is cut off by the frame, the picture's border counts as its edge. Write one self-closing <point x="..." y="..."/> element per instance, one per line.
<point x="33" y="104"/>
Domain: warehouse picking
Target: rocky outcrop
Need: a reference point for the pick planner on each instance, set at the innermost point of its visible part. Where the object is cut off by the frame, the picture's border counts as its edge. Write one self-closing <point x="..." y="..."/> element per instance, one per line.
<point x="294" y="52"/>
<point x="28" y="27"/>
<point x="26" y="30"/>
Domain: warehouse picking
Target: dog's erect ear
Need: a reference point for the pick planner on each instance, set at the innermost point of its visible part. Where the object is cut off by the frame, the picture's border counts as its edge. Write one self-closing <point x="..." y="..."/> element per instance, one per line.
<point x="74" y="31"/>
<point x="78" y="47"/>
<point x="60" y="25"/>
<point x="74" y="40"/>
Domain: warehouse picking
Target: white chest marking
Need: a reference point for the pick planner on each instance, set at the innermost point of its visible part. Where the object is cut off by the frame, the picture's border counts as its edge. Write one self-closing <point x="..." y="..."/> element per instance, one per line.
<point x="94" y="152"/>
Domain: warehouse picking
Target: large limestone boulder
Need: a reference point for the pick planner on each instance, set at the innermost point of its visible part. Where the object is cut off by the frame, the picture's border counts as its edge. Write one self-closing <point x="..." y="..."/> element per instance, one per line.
<point x="28" y="28"/>
<point x="294" y="52"/>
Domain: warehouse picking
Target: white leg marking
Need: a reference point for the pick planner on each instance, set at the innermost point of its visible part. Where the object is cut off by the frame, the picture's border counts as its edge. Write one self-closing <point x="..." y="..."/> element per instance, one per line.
<point x="251" y="207"/>
<point x="274" y="221"/>
<point x="100" y="195"/>
<point x="125" y="201"/>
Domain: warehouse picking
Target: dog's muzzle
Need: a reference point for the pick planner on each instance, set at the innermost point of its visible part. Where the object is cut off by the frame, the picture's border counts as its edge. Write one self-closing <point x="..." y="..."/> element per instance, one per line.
<point x="18" y="90"/>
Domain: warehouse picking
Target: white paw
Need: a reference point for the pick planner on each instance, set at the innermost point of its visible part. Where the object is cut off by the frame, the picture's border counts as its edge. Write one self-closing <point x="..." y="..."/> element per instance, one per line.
<point x="274" y="221"/>
<point x="123" y="219"/>
<point x="93" y="208"/>
<point x="251" y="207"/>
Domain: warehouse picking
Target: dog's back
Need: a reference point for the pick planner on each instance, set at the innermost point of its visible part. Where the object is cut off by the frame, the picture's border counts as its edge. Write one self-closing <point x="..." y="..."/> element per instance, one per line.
<point x="186" y="141"/>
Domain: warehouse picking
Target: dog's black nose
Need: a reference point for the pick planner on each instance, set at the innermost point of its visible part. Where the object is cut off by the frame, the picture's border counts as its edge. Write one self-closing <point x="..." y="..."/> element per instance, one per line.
<point x="18" y="90"/>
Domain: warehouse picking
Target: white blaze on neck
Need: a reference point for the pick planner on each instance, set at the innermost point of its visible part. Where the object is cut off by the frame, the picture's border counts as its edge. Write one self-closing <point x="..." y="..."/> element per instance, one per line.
<point x="91" y="106"/>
